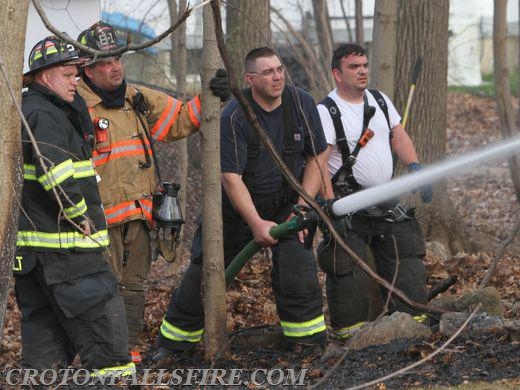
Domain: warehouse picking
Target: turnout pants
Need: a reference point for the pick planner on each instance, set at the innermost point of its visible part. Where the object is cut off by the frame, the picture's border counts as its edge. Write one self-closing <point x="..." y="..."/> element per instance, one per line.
<point x="64" y="314"/>
<point x="398" y="250"/>
<point x="294" y="282"/>
<point x="130" y="258"/>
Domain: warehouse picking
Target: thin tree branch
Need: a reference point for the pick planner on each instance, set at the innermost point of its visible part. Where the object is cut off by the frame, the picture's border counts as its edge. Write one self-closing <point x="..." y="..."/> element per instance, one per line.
<point x="500" y="252"/>
<point x="394" y="279"/>
<point x="423" y="360"/>
<point x="402" y="370"/>
<point x="122" y="49"/>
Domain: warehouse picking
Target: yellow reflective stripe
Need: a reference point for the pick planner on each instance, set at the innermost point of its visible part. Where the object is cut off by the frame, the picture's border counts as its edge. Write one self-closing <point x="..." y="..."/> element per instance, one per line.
<point x="176" y="334"/>
<point x="78" y="209"/>
<point x="126" y="370"/>
<point x="18" y="263"/>
<point x="29" y="172"/>
<point x="83" y="169"/>
<point x="420" y="318"/>
<point x="307" y="328"/>
<point x="348" y="331"/>
<point x="38" y="51"/>
<point x="62" y="240"/>
<point x="57" y="175"/>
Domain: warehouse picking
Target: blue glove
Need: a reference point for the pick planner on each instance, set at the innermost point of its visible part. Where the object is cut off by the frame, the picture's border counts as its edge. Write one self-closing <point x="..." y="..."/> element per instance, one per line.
<point x="426" y="191"/>
<point x="219" y="85"/>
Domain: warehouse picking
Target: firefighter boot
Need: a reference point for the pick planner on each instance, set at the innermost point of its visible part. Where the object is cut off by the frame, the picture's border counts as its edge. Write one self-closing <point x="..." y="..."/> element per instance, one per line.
<point x="134" y="306"/>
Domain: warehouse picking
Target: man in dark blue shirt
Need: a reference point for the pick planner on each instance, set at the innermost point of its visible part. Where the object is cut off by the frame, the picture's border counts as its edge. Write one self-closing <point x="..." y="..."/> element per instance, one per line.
<point x="256" y="198"/>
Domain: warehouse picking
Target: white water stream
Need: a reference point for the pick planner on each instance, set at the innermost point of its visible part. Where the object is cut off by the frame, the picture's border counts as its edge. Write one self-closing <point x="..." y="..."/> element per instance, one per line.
<point x="431" y="174"/>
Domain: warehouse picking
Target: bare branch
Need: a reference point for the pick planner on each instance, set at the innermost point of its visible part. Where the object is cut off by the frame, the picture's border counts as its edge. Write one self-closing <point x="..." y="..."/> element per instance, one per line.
<point x="402" y="370"/>
<point x="500" y="252"/>
<point x="423" y="360"/>
<point x="122" y="49"/>
<point x="306" y="56"/>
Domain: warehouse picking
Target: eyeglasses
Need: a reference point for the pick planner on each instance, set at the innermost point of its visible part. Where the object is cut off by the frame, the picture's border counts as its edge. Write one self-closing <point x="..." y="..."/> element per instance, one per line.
<point x="269" y="72"/>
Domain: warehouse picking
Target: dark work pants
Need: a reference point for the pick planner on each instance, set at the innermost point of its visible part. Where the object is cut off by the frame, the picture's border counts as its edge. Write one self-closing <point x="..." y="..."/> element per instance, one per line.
<point x="84" y="316"/>
<point x="293" y="277"/>
<point x="396" y="246"/>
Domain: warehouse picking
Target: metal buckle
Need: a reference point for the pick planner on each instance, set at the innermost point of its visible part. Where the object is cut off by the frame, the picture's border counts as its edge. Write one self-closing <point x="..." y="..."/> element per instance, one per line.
<point x="397" y="214"/>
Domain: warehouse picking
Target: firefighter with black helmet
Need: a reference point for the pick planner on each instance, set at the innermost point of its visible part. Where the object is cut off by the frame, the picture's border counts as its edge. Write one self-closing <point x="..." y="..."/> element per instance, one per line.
<point x="128" y="119"/>
<point x="64" y="286"/>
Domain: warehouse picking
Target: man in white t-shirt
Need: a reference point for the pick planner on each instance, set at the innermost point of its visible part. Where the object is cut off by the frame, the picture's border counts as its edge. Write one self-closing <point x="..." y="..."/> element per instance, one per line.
<point x="360" y="156"/>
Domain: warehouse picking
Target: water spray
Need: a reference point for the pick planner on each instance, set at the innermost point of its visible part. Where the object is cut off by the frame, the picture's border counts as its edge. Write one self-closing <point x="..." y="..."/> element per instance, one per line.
<point x="428" y="175"/>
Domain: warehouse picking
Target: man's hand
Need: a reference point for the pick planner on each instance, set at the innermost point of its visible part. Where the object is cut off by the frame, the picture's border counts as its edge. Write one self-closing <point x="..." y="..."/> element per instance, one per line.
<point x="426" y="191"/>
<point x="85" y="228"/>
<point x="261" y="233"/>
<point x="219" y="85"/>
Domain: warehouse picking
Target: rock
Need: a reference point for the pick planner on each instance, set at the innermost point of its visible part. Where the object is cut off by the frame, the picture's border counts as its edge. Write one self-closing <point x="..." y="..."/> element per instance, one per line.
<point x="387" y="329"/>
<point x="513" y="329"/>
<point x="447" y="303"/>
<point x="480" y="324"/>
<point x="434" y="249"/>
<point x="489" y="297"/>
<point x="515" y="310"/>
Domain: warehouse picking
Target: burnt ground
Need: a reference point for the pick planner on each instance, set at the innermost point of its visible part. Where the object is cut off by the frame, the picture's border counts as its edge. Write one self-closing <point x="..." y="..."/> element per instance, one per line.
<point x="485" y="200"/>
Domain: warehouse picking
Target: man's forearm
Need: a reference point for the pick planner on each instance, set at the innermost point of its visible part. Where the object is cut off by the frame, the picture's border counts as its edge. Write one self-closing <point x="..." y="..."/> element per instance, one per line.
<point x="240" y="197"/>
<point x="316" y="177"/>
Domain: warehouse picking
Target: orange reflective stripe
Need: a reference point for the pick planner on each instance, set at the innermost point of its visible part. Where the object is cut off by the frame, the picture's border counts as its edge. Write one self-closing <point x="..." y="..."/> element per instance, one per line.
<point x="146" y="206"/>
<point x="167" y="119"/>
<point x="124" y="210"/>
<point x="194" y="111"/>
<point x="120" y="149"/>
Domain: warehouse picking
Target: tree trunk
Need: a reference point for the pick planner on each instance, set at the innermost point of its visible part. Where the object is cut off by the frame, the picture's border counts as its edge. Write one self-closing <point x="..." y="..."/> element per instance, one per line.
<point x="248" y="25"/>
<point x="13" y="18"/>
<point x="360" y="34"/>
<point x="423" y="31"/>
<point x="179" y="66"/>
<point x="382" y="59"/>
<point x="214" y="285"/>
<point x="347" y="23"/>
<point x="323" y="32"/>
<point x="172" y="7"/>
<point x="506" y="114"/>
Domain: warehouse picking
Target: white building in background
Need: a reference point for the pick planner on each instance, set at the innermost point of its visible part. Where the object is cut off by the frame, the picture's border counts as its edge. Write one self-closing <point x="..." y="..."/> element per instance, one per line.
<point x="70" y="16"/>
<point x="471" y="25"/>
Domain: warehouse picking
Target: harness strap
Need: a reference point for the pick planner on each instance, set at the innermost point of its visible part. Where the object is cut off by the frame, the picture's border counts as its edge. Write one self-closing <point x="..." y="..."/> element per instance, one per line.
<point x="253" y="143"/>
<point x="382" y="104"/>
<point x="344" y="178"/>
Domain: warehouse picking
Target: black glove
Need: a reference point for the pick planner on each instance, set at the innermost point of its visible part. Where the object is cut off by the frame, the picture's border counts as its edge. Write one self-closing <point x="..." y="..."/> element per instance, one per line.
<point x="219" y="85"/>
<point x="426" y="191"/>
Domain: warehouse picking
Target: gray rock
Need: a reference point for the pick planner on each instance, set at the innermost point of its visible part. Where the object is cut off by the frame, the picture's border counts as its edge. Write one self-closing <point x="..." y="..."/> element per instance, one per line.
<point x="387" y="329"/>
<point x="489" y="297"/>
<point x="515" y="310"/>
<point x="434" y="249"/>
<point x="481" y="323"/>
<point x="513" y="329"/>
